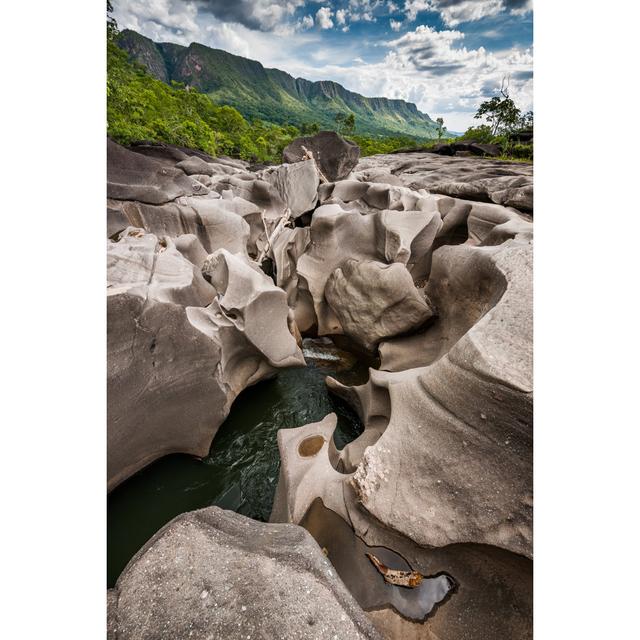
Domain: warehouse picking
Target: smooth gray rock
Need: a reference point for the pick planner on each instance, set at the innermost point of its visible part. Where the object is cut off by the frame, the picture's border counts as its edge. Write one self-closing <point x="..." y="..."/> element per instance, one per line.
<point x="194" y="165"/>
<point x="335" y="156"/>
<point x="133" y="176"/>
<point x="296" y="184"/>
<point x="336" y="235"/>
<point x="216" y="222"/>
<point x="373" y="301"/>
<point x="216" y="574"/>
<point x="455" y="450"/>
<point x="481" y="179"/>
<point x="179" y="349"/>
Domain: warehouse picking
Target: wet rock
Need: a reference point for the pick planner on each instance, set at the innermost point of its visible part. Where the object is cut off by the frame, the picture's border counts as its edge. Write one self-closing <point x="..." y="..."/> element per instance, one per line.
<point x="335" y="156"/>
<point x="214" y="573"/>
<point x="348" y="554"/>
<point x="374" y="301"/>
<point x="180" y="349"/>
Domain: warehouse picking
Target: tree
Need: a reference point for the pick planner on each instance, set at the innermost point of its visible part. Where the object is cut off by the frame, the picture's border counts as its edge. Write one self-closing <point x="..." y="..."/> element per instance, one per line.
<point x="526" y="121"/>
<point x="112" y="25"/>
<point x="346" y="123"/>
<point x="441" y="127"/>
<point x="500" y="112"/>
<point x="310" y="128"/>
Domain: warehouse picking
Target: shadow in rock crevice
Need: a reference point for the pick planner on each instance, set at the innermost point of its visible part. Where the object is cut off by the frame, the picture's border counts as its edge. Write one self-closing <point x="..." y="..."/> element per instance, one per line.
<point x="347" y="552"/>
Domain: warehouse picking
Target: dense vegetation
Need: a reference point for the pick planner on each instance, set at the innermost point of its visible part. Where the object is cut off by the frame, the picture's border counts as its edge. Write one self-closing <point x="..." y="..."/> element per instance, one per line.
<point x="140" y="107"/>
<point x="271" y="94"/>
<point x="506" y="126"/>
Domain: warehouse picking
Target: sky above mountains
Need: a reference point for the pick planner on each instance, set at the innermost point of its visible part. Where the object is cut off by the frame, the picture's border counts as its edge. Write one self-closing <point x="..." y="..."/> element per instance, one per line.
<point x="446" y="56"/>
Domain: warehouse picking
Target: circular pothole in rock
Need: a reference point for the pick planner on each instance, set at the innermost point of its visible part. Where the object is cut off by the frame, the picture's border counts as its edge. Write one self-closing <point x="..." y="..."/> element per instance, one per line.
<point x="310" y="446"/>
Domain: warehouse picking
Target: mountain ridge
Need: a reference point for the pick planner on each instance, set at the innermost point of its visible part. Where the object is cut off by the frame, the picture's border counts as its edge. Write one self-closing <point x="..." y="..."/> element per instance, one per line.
<point x="270" y="94"/>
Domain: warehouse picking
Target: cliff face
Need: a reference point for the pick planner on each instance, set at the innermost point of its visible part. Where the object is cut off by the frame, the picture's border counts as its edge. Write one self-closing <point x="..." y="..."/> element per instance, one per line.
<point x="271" y="94"/>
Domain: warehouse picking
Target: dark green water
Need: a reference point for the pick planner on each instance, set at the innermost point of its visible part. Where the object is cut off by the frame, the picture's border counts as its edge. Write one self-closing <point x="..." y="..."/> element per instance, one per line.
<point x="241" y="471"/>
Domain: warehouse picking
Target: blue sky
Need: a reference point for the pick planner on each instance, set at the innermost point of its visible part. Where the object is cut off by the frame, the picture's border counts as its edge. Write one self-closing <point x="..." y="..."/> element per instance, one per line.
<point x="446" y="56"/>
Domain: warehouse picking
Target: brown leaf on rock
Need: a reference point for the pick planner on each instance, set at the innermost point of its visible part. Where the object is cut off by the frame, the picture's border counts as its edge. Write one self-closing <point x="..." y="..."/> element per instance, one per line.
<point x="410" y="579"/>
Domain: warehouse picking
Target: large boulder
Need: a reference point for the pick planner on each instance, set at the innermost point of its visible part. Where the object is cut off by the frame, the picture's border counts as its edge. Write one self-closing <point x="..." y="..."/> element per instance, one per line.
<point x="133" y="176"/>
<point x="335" y="156"/>
<point x="216" y="574"/>
<point x="297" y="185"/>
<point x="373" y="301"/>
<point x="180" y="349"/>
<point x="336" y="235"/>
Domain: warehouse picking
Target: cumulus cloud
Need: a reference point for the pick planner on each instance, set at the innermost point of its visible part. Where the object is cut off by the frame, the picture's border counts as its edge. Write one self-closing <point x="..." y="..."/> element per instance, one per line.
<point x="341" y="16"/>
<point x="455" y="12"/>
<point x="395" y="24"/>
<point x="324" y="18"/>
<point x="263" y="15"/>
<point x="306" y="22"/>
<point x="436" y="72"/>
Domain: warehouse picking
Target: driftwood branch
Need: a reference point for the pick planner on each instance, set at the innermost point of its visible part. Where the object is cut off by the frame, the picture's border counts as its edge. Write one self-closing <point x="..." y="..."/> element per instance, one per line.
<point x="504" y="88"/>
<point x="308" y="155"/>
<point x="284" y="219"/>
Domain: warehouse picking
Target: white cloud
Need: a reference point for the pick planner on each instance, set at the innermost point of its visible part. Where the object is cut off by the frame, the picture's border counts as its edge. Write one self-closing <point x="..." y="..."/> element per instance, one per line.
<point x="431" y="69"/>
<point x="395" y="24"/>
<point x="341" y="16"/>
<point x="306" y="22"/>
<point x="324" y="18"/>
<point x="455" y="12"/>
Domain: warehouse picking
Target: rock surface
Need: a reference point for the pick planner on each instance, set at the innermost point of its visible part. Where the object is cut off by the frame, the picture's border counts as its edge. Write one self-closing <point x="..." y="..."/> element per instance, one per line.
<point x="415" y="257"/>
<point x="506" y="183"/>
<point x="180" y="349"/>
<point x="473" y="148"/>
<point x="381" y="301"/>
<point x="297" y="185"/>
<point x="216" y="574"/>
<point x="335" y="155"/>
<point x="456" y="452"/>
<point x="133" y="176"/>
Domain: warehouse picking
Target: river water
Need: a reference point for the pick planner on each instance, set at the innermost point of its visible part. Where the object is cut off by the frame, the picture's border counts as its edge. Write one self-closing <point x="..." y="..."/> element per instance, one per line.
<point x="241" y="471"/>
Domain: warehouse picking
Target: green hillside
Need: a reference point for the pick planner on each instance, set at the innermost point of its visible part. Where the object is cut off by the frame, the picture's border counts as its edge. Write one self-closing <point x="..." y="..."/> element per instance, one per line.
<point x="270" y="94"/>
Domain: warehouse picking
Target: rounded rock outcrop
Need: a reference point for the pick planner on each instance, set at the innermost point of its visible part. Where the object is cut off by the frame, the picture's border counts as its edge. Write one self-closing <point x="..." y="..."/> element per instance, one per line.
<point x="335" y="156"/>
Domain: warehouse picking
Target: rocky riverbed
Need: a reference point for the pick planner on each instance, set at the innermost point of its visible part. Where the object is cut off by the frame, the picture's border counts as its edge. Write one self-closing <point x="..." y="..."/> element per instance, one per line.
<point x="416" y="263"/>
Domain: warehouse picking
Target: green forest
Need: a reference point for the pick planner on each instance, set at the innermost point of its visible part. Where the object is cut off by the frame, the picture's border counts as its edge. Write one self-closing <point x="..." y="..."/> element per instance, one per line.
<point x="139" y="107"/>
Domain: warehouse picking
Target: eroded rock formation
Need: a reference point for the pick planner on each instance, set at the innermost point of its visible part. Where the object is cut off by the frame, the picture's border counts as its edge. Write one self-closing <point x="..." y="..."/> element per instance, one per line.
<point x="180" y="349"/>
<point x="486" y="180"/>
<point x="422" y="259"/>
